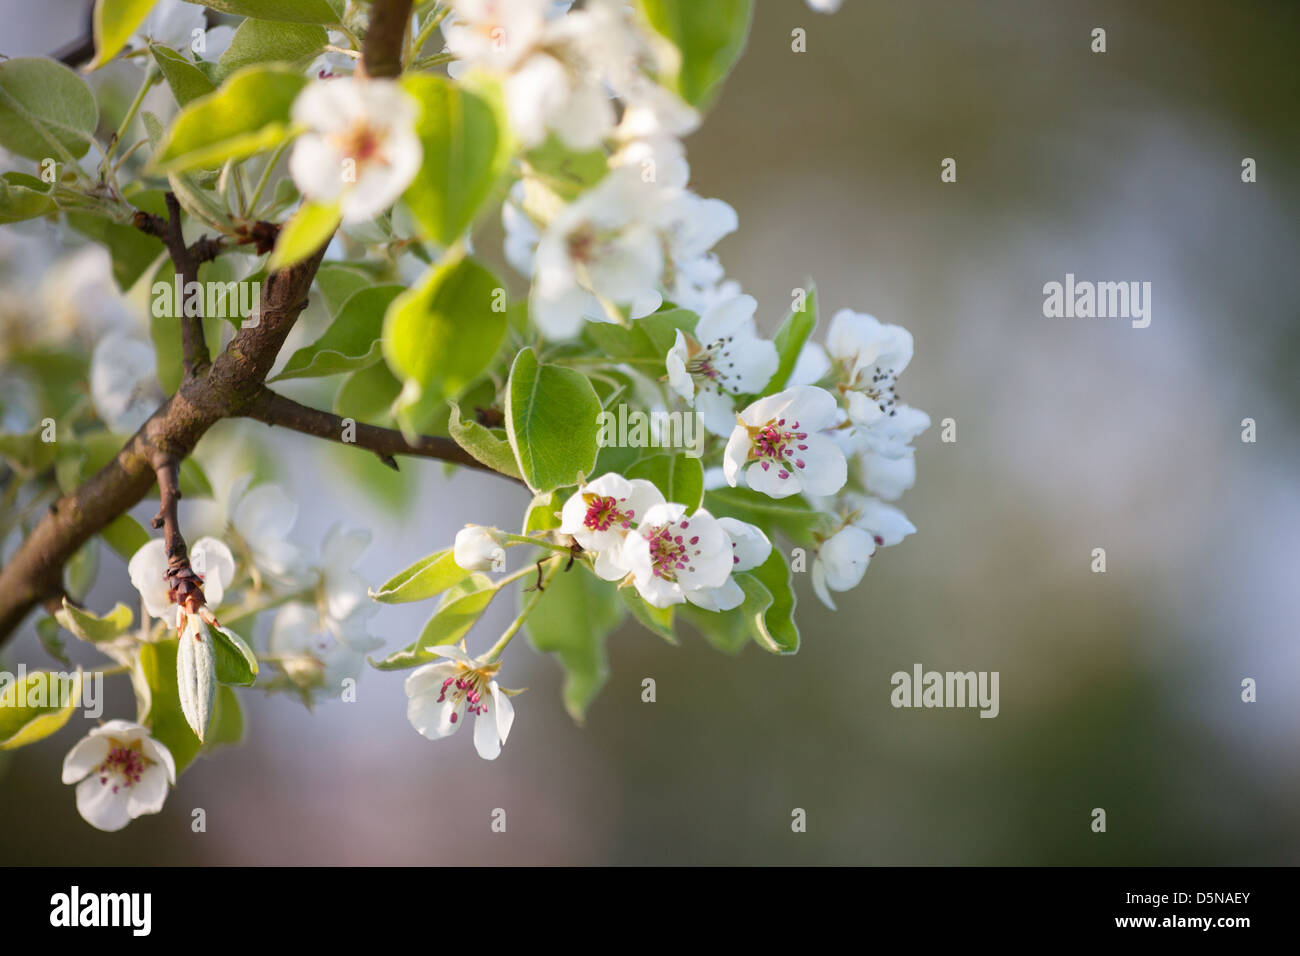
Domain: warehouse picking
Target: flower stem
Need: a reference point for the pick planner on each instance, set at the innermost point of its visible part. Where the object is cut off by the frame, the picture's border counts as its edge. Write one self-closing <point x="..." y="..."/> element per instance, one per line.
<point x="495" y="651"/>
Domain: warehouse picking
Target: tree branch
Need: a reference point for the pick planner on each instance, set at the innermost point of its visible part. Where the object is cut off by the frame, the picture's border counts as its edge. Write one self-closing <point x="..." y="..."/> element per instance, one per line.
<point x="186" y="261"/>
<point x="271" y="408"/>
<point x="381" y="51"/>
<point x="184" y="586"/>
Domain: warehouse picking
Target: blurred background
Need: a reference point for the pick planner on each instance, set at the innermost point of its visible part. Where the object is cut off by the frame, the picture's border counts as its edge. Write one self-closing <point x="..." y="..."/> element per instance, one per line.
<point x="1119" y="690"/>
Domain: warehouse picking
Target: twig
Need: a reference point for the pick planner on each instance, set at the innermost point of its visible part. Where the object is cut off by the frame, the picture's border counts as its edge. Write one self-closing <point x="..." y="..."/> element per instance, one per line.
<point x="272" y="408"/>
<point x="381" y="53"/>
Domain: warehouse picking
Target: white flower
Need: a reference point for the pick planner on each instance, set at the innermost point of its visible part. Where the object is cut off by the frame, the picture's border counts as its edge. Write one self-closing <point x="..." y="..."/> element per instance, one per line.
<point x="749" y="549"/>
<point x="870" y="356"/>
<point x="778" y="437"/>
<point x="440" y="694"/>
<point x="257" y="521"/>
<point x="724" y="357"/>
<point x="344" y="591"/>
<point x="316" y="652"/>
<point x="842" y="558"/>
<point x="553" y="67"/>
<point x="477" y="549"/>
<point x="825" y="6"/>
<point x="811" y="366"/>
<point x="671" y="554"/>
<point x="601" y="513"/>
<point x="841" y="561"/>
<point x="209" y="558"/>
<point x="121" y="773"/>
<point x="361" y="148"/>
<point x="123" y="384"/>
<point x="603" y="244"/>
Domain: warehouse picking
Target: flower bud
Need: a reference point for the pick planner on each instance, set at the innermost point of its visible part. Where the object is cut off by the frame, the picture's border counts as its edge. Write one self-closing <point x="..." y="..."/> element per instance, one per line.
<point x="196" y="674"/>
<point x="478" y="549"/>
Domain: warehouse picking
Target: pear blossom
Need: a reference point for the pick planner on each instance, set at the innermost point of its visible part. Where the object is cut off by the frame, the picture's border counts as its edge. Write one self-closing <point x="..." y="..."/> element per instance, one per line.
<point x="257" y="520"/>
<point x="841" y="562"/>
<point x="344" y="592"/>
<point x="867" y="524"/>
<point x="672" y="554"/>
<point x="553" y="68"/>
<point x="123" y="382"/>
<point x="316" y="652"/>
<point x="601" y="513"/>
<point x="477" y="549"/>
<point x="723" y="357"/>
<point x="604" y="244"/>
<point x="360" y="147"/>
<point x="749" y="548"/>
<point x="121" y="773"/>
<point x="870" y="356"/>
<point x="440" y="694"/>
<point x="779" y="438"/>
<point x="148" y="569"/>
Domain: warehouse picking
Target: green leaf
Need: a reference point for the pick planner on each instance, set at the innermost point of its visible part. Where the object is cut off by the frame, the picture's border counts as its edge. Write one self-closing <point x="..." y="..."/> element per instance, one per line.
<point x="552" y="420"/>
<point x="571" y="620"/>
<point x="164" y="717"/>
<point x="236" y="662"/>
<point x="132" y="251"/>
<point x="543" y="513"/>
<point x="790" y="339"/>
<point x="47" y="631"/>
<point x="203" y="204"/>
<point x="352" y="339"/>
<point x="793" y="515"/>
<point x="227" y="725"/>
<point x="458" y="611"/>
<point x="730" y="631"/>
<point x="567" y="173"/>
<point x="775" y="629"/>
<point x="37" y="707"/>
<point x="185" y="80"/>
<point x="113" y="23"/>
<point x="80" y="571"/>
<point x="678" y="477"/>
<point x="306" y="231"/>
<point x="44" y="106"/>
<point x="23" y="197"/>
<point x="367" y="394"/>
<point x="90" y="627"/>
<point x="658" y="620"/>
<point x="269" y="41"/>
<point x="647" y="339"/>
<point x="488" y="445"/>
<point x="249" y="113"/>
<point x="465" y="150"/>
<point x="440" y="335"/>
<point x="329" y="12"/>
<point x="710" y="37"/>
<point x="337" y="282"/>
<point x="431" y="575"/>
<point x="125" y="535"/>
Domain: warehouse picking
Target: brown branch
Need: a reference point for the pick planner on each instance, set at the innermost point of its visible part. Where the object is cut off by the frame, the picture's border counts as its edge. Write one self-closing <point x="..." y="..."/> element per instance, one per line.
<point x="381" y="51"/>
<point x="271" y="408"/>
<point x="185" y="588"/>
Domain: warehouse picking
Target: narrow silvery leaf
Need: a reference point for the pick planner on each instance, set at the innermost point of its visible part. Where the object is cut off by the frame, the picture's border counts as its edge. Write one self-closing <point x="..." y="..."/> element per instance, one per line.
<point x="196" y="675"/>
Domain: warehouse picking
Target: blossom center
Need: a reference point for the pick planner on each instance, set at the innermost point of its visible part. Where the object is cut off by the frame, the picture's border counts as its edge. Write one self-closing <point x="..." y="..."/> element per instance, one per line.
<point x="777" y="443"/>
<point x="712" y="362"/>
<point x="361" y="142"/>
<point x="123" y="766"/>
<point x="603" y="512"/>
<point x="470" y="685"/>
<point x="672" y="549"/>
